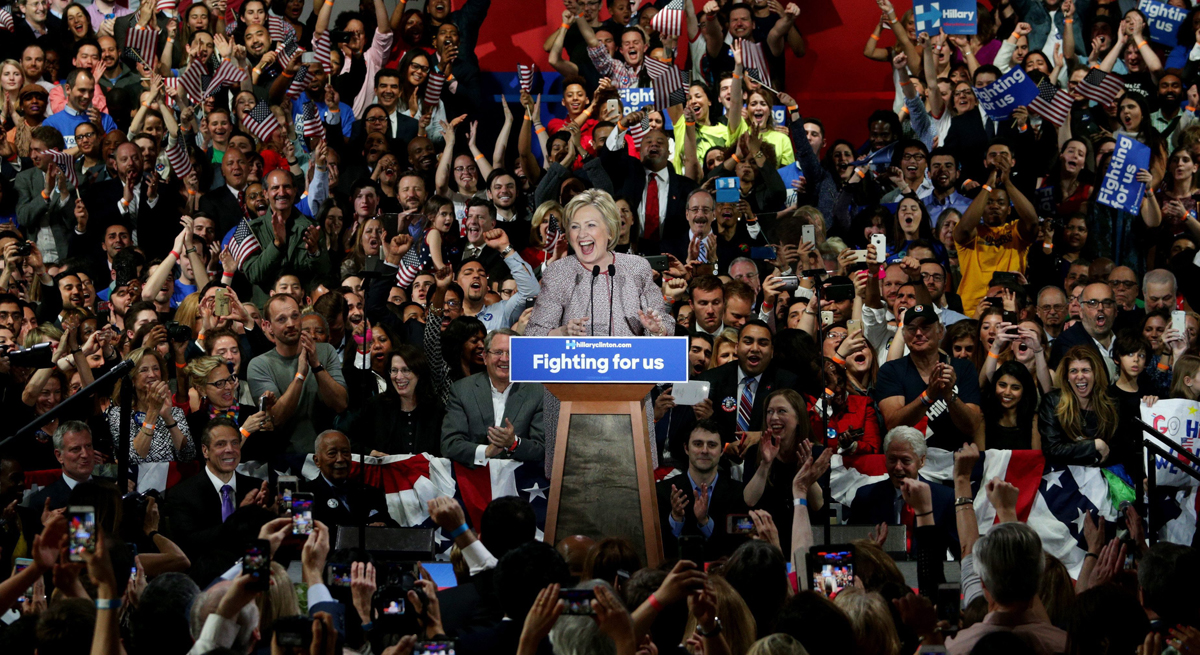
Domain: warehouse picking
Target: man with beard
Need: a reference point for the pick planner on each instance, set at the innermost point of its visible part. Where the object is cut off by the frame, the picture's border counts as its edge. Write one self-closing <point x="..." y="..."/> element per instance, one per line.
<point x="422" y="156"/>
<point x="354" y="312"/>
<point x="338" y="499"/>
<point x="502" y="191"/>
<point x="1097" y="307"/>
<point x="473" y="278"/>
<point x="300" y="372"/>
<point x="289" y="239"/>
<point x="410" y="192"/>
<point x="259" y="54"/>
<point x="257" y="202"/>
<point x="696" y="504"/>
<point x="227" y="203"/>
<point x="117" y="75"/>
<point x="131" y="197"/>
<point x="943" y="173"/>
<point x="456" y="56"/>
<point x="1167" y="118"/>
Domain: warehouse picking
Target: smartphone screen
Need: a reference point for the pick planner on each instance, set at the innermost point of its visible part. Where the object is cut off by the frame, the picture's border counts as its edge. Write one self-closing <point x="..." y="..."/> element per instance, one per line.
<point x="433" y="648"/>
<point x="739" y="524"/>
<point x="302" y="513"/>
<point x="287" y="485"/>
<point x="256" y="562"/>
<point x="337" y="574"/>
<point x="394" y="607"/>
<point x="948" y="602"/>
<point x="20" y="564"/>
<point x="82" y="522"/>
<point x="832" y="568"/>
<point x="578" y="601"/>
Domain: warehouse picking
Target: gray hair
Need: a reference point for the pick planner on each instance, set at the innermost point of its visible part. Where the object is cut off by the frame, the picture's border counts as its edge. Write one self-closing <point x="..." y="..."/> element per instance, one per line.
<point x="206" y="603"/>
<point x="742" y="260"/>
<point x="1010" y="562"/>
<point x="69" y="426"/>
<point x="1050" y="288"/>
<point x="324" y="323"/>
<point x="908" y="435"/>
<point x="321" y="437"/>
<point x="1159" y="276"/>
<point x="487" y="340"/>
<point x="579" y="635"/>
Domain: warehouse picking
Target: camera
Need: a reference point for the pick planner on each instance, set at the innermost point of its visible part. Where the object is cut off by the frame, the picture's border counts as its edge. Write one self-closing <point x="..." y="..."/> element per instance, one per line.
<point x="178" y="332"/>
<point x="37" y="356"/>
<point x="339" y="36"/>
<point x="25" y="248"/>
<point x="390" y="601"/>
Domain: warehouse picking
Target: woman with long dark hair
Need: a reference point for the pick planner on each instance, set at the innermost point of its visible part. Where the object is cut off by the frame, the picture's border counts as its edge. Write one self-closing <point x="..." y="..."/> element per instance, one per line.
<point x="414" y="70"/>
<point x="1178" y="197"/>
<point x="407" y="418"/>
<point x="454" y="354"/>
<point x="850" y="420"/>
<point x="1009" y="406"/>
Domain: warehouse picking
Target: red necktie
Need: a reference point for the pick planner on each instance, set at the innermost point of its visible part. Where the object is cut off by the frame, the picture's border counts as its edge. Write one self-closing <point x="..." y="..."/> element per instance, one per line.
<point x="651" y="230"/>
<point x="909" y="520"/>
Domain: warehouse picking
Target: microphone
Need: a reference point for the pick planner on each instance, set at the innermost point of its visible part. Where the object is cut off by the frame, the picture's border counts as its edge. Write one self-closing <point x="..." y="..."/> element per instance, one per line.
<point x="592" y="299"/>
<point x="612" y="282"/>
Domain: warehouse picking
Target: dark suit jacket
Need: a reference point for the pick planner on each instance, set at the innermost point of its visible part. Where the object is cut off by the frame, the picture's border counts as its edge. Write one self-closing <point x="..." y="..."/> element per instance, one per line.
<point x="152" y="223"/>
<point x="222" y="206"/>
<point x="875" y="504"/>
<point x="628" y="177"/>
<point x="726" y="499"/>
<point x="58" y="493"/>
<point x="195" y="510"/>
<point x="1073" y="336"/>
<point x="367" y="504"/>
<point x="723" y="392"/>
<point x="122" y="25"/>
<point x="469" y="414"/>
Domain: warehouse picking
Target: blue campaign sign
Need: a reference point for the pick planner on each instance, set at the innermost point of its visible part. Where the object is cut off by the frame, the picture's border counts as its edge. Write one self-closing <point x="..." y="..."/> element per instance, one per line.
<point x="1001" y="97"/>
<point x="1163" y="20"/>
<point x="599" y="359"/>
<point x="959" y="17"/>
<point x="779" y="113"/>
<point x="729" y="189"/>
<point x="791" y="173"/>
<point x="636" y="98"/>
<point x="928" y="16"/>
<point x="1120" y="188"/>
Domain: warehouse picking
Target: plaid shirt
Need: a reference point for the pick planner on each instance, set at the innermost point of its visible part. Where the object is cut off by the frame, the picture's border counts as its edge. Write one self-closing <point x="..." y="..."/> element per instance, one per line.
<point x="623" y="75"/>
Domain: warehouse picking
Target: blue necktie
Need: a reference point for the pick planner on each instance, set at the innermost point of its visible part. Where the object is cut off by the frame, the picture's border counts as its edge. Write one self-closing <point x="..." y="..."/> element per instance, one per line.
<point x="226" y="502"/>
<point x="746" y="405"/>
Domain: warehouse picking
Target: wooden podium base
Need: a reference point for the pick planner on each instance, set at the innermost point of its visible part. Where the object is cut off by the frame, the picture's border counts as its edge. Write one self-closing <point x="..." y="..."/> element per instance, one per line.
<point x="602" y="483"/>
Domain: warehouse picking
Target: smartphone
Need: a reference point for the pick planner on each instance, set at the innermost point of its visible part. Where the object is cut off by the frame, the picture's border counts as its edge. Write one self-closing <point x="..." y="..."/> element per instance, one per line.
<point x="221" y="302"/>
<point x="1179" y="321"/>
<point x="762" y="252"/>
<point x="302" y="522"/>
<point x="880" y="243"/>
<point x="691" y="548"/>
<point x="832" y="568"/>
<point x="860" y="256"/>
<point x="20" y="564"/>
<point x="852" y="325"/>
<point x="82" y="522"/>
<point x="530" y="302"/>
<point x="789" y="283"/>
<point x="256" y="562"/>
<point x="994" y="301"/>
<point x="738" y="524"/>
<point x="948" y="603"/>
<point x="578" y="601"/>
<point x="337" y="574"/>
<point x="612" y="106"/>
<point x="433" y="648"/>
<point x="308" y="58"/>
<point x="826" y="318"/>
<point x="658" y="263"/>
<point x="1006" y="278"/>
<point x="265" y="403"/>
<point x="286" y="487"/>
<point x="292" y="632"/>
<point x="808" y="234"/>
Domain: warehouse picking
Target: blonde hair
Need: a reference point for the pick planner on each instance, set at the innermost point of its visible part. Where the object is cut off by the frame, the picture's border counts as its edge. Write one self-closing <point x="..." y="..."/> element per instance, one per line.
<point x="43" y="332"/>
<point x="198" y="369"/>
<point x="603" y="203"/>
<point x="779" y="643"/>
<point x="535" y="234"/>
<point x="1069" y="411"/>
<point x="874" y="631"/>
<point x="737" y="622"/>
<point x="188" y="311"/>
<point x="1188" y="366"/>
<point x="136" y="357"/>
<point x="278" y="602"/>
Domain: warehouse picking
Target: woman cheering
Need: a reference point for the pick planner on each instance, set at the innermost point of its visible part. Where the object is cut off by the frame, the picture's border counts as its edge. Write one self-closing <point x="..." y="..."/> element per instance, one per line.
<point x="160" y="429"/>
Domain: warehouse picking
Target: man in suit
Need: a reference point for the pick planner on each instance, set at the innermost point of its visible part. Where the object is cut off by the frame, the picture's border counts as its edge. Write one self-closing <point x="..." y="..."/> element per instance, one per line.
<point x="700" y="208"/>
<point x="696" y="505"/>
<point x="338" y="499"/>
<point x="227" y="203"/>
<point x="99" y="259"/>
<point x="45" y="197"/>
<point x="888" y="501"/>
<point x="1094" y="329"/>
<point x="490" y="417"/>
<point x="660" y="215"/>
<point x="199" y="505"/>
<point x="737" y="395"/>
<point x="481" y="219"/>
<point x="72" y="449"/>
<point x="132" y="197"/>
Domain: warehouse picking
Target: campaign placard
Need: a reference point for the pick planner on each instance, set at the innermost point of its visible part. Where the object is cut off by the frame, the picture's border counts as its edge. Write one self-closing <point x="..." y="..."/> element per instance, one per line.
<point x="1120" y="188"/>
<point x="1001" y="97"/>
<point x="598" y="359"/>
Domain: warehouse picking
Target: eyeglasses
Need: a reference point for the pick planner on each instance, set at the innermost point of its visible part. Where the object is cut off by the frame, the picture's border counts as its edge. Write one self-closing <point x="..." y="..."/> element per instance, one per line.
<point x="420" y="68"/>
<point x="1052" y="308"/>
<point x="464" y="169"/>
<point x="1107" y="303"/>
<point x="228" y="383"/>
<point x="704" y="211"/>
<point x="86" y="135"/>
<point x="913" y="156"/>
<point x="933" y="277"/>
<point x="499" y="354"/>
<point x="376" y="119"/>
<point x="452" y="304"/>
<point x="1124" y="284"/>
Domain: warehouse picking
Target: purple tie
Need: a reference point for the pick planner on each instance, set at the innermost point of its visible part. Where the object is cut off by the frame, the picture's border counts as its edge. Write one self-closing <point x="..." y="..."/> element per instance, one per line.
<point x="226" y="502"/>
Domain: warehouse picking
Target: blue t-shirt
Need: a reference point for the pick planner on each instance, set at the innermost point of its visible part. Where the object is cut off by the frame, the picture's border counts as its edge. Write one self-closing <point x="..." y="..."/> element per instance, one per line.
<point x="68" y="119"/>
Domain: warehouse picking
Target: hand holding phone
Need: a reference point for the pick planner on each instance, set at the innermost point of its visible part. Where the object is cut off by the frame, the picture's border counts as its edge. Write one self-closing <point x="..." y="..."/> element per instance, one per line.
<point x="302" y="521"/>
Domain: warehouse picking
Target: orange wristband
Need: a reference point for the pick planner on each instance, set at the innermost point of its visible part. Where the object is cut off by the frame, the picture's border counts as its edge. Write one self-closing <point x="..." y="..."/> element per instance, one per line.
<point x="875" y="36"/>
<point x="993" y="355"/>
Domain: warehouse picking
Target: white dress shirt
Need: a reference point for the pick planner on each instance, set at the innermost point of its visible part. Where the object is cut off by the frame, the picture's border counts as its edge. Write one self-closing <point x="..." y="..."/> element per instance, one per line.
<point x="499" y="400"/>
<point x="664" y="182"/>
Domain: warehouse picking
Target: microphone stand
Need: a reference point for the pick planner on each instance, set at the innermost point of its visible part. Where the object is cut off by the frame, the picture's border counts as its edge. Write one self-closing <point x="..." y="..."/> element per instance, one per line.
<point x="592" y="300"/>
<point x="825" y="408"/>
<point x="612" y="286"/>
<point x="1163" y="451"/>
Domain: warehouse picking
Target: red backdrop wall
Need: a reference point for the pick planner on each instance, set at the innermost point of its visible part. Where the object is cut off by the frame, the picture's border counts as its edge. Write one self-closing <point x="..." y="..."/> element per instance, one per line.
<point x="833" y="81"/>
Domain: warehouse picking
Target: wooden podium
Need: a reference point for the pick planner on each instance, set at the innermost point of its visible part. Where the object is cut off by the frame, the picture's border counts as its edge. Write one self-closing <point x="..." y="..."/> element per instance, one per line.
<point x="602" y="482"/>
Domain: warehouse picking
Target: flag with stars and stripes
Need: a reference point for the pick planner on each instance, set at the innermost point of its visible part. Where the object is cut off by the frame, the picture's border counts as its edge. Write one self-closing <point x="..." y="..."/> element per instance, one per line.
<point x="244" y="243"/>
<point x="286" y="51"/>
<point x="669" y="20"/>
<point x="178" y="157"/>
<point x="554" y="233"/>
<point x="66" y="164"/>
<point x="1101" y="86"/>
<point x="753" y="58"/>
<point x="6" y="20"/>
<point x="227" y="74"/>
<point x="261" y="121"/>
<point x="299" y="83"/>
<point x="669" y="83"/>
<point x="166" y="5"/>
<point x="757" y="75"/>
<point x="192" y="80"/>
<point x="413" y="261"/>
<point x="639" y="129"/>
<point x="311" y="124"/>
<point x="433" y="88"/>
<point x="322" y="44"/>
<point x="135" y="56"/>
<point x="525" y="75"/>
<point x="279" y="29"/>
<point x="1054" y="105"/>
<point x="144" y="41"/>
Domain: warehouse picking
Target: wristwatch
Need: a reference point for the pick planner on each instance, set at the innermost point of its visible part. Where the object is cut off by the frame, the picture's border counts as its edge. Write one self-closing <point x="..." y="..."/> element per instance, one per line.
<point x="716" y="630"/>
<point x="507" y="249"/>
<point x="317" y="369"/>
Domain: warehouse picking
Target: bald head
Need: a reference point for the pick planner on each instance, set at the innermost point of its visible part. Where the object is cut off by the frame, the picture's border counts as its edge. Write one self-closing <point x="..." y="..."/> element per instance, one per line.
<point x="574" y="549"/>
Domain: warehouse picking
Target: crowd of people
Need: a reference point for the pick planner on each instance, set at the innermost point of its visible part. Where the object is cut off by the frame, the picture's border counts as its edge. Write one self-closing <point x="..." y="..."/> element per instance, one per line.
<point x="312" y="234"/>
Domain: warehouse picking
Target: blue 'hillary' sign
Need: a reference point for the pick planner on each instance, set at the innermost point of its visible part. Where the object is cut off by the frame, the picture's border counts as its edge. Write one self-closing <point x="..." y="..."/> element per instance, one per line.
<point x="598" y="359"/>
<point x="1120" y="188"/>
<point x="1163" y="20"/>
<point x="959" y="17"/>
<point x="1001" y="97"/>
<point x="635" y="98"/>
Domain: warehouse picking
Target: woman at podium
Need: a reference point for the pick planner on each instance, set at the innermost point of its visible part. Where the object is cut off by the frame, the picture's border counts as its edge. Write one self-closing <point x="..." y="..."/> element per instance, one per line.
<point x="595" y="291"/>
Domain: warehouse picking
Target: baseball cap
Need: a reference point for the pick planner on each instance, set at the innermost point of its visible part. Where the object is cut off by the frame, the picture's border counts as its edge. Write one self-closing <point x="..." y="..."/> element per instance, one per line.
<point x="921" y="311"/>
<point x="33" y="88"/>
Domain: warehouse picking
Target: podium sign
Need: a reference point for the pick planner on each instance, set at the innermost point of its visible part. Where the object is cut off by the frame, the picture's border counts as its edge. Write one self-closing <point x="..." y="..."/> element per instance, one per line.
<point x="605" y="360"/>
<point x="602" y="478"/>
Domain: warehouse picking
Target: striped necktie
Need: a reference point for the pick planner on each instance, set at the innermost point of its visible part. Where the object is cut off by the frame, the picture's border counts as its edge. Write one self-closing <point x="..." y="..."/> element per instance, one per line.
<point x="745" y="405"/>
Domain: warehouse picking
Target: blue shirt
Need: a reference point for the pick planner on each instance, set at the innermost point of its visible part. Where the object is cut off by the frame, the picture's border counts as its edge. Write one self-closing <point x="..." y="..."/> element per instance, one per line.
<point x="347" y="112"/>
<point x="706" y="530"/>
<point x="955" y="200"/>
<point x="68" y="119"/>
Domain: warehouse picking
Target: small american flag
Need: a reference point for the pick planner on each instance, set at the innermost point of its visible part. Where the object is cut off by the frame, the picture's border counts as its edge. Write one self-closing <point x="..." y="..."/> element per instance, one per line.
<point x="639" y="129"/>
<point x="144" y="40"/>
<point x="311" y="124"/>
<point x="752" y="57"/>
<point x="299" y="83"/>
<point x="231" y="22"/>
<point x="321" y="45"/>
<point x="669" y="20"/>
<point x="228" y="73"/>
<point x="757" y="75"/>
<point x="243" y="244"/>
<point x="525" y="75"/>
<point x="279" y="29"/>
<point x="6" y="20"/>
<point x="136" y="56"/>
<point x="1053" y="105"/>
<point x="178" y="157"/>
<point x="669" y="83"/>
<point x="166" y="5"/>
<point x="170" y="89"/>
<point x="261" y="121"/>
<point x="286" y="51"/>
<point x="433" y="88"/>
<point x="1101" y="86"/>
<point x="554" y="234"/>
<point x="66" y="165"/>
<point x="413" y="261"/>
<point x="192" y="80"/>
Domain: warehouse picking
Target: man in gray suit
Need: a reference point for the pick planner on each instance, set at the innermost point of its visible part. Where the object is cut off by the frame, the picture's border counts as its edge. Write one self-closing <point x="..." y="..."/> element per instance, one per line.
<point x="490" y="417"/>
<point x="45" y="198"/>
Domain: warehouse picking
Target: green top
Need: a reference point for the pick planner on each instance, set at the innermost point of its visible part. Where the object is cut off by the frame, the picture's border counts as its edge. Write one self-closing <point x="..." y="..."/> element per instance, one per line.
<point x="707" y="136"/>
<point x="782" y="143"/>
<point x="264" y="267"/>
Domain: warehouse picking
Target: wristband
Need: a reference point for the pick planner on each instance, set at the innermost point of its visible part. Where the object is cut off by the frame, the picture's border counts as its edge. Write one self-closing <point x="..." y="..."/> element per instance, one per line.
<point x="793" y="108"/>
<point x="987" y="188"/>
<point x="224" y="276"/>
<point x="145" y="104"/>
<point x="457" y="531"/>
<point x="108" y="603"/>
<point x="925" y="398"/>
<point x="923" y="514"/>
<point x="963" y="500"/>
<point x="190" y="192"/>
<point x="799" y="502"/>
<point x="836" y="359"/>
<point x="148" y="426"/>
<point x="180" y="365"/>
<point x="287" y="74"/>
<point x="861" y="175"/>
<point x="993" y="355"/>
<point x="245" y="433"/>
<point x="689" y="123"/>
<point x="1068" y="21"/>
<point x="200" y="337"/>
<point x="736" y="76"/>
<point x="257" y="70"/>
<point x="516" y="442"/>
<point x="1087" y="555"/>
<point x="171" y="426"/>
<point x="46" y="196"/>
<point x="170" y="39"/>
<point x="1141" y="45"/>
<point x="175" y="254"/>
<point x="735" y="159"/>
<point x="875" y="36"/>
<point x="539" y="130"/>
<point x="565" y="26"/>
<point x="1190" y="108"/>
<point x="1162" y="366"/>
<point x="328" y="3"/>
<point x="655" y="603"/>
<point x="905" y="82"/>
<point x="479" y="157"/>
<point x="300" y="377"/>
<point x="527" y="117"/>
